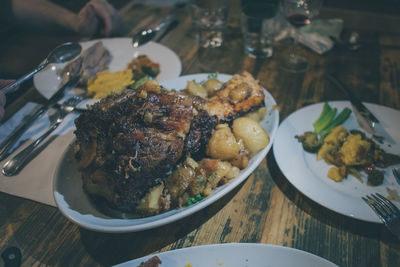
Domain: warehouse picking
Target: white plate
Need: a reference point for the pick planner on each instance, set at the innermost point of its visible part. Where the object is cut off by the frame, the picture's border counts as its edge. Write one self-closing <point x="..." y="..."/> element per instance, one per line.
<point x="310" y="176"/>
<point x="75" y="205"/>
<point x="47" y="81"/>
<point x="236" y="255"/>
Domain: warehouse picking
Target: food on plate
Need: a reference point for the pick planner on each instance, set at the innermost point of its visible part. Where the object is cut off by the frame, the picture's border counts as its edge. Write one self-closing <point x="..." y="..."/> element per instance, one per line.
<point x="328" y="119"/>
<point x="142" y="66"/>
<point x="92" y="60"/>
<point x="351" y="152"/>
<point x="310" y="141"/>
<point x="149" y="150"/>
<point x="326" y="122"/>
<point x="253" y="135"/>
<point x="106" y="82"/>
<point x="136" y="74"/>
<point x="92" y="66"/>
<point x="241" y="94"/>
<point x="152" y="262"/>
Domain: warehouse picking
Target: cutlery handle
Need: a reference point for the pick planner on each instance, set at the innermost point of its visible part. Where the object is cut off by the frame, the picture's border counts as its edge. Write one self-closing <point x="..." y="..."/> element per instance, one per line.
<point x="341" y="86"/>
<point x="354" y="100"/>
<point x="10" y="87"/>
<point x="169" y="27"/>
<point x="13" y="137"/>
<point x="14" y="165"/>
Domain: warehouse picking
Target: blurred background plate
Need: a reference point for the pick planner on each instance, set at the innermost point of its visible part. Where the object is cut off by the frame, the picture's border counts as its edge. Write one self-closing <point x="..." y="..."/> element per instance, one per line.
<point x="122" y="52"/>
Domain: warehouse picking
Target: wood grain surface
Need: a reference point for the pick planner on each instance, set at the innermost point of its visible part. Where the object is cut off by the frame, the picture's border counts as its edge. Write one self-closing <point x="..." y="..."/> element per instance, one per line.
<point x="265" y="208"/>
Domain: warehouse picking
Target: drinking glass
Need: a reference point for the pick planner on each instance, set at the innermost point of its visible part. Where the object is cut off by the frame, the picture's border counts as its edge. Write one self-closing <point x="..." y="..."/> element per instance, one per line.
<point x="298" y="13"/>
<point x="259" y="28"/>
<point x="209" y="17"/>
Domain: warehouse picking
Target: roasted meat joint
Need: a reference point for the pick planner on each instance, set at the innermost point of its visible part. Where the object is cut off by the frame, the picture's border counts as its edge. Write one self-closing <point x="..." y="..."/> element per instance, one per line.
<point x="149" y="150"/>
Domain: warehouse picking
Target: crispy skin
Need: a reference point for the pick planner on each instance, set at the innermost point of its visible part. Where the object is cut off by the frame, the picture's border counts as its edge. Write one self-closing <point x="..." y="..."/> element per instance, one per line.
<point x="129" y="142"/>
<point x="241" y="94"/>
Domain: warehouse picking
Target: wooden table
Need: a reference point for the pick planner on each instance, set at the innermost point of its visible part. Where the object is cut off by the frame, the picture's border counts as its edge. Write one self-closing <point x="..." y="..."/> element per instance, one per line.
<point x="265" y="208"/>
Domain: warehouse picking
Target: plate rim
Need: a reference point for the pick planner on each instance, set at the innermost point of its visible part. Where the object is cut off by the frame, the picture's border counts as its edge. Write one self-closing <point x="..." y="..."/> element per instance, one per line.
<point x="184" y="212"/>
<point x="373" y="218"/>
<point x="231" y="245"/>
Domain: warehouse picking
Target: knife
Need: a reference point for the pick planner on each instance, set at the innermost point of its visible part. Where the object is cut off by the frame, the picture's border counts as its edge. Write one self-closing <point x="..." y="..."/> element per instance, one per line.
<point x="367" y="121"/>
<point x="13" y="137"/>
<point x="19" y="161"/>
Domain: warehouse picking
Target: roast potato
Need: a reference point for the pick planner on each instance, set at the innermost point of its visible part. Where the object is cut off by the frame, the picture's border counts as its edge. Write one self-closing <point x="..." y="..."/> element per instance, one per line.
<point x="254" y="136"/>
<point x="196" y="89"/>
<point x="212" y="85"/>
<point x="222" y="144"/>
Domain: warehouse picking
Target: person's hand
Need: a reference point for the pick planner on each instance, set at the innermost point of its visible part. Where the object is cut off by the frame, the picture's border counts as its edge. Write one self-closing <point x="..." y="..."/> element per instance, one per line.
<point x="98" y="16"/>
<point x="87" y="23"/>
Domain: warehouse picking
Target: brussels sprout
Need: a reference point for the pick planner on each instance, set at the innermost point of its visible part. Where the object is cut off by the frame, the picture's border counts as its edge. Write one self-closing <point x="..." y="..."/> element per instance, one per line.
<point x="310" y="141"/>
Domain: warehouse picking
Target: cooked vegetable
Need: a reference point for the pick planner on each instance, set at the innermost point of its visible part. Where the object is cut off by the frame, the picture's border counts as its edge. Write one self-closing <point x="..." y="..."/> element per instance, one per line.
<point x="222" y="144"/>
<point x="254" y="136"/>
<point x="257" y="115"/>
<point x="341" y="118"/>
<point x="106" y="82"/>
<point x="337" y="173"/>
<point x="212" y="85"/>
<point x="375" y="178"/>
<point x="351" y="152"/>
<point x="310" y="141"/>
<point x="139" y="82"/>
<point x="142" y="66"/>
<point x="152" y="70"/>
<point x="197" y="89"/>
<point x="324" y="112"/>
<point x="355" y="173"/>
<point x="326" y="120"/>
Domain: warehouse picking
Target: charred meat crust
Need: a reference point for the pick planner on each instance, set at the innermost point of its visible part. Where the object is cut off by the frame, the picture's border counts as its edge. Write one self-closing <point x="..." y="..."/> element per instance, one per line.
<point x="129" y="142"/>
<point x="137" y="141"/>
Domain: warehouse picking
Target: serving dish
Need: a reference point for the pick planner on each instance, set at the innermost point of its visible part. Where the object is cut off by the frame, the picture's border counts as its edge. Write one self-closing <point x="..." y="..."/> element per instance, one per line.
<point x="77" y="207"/>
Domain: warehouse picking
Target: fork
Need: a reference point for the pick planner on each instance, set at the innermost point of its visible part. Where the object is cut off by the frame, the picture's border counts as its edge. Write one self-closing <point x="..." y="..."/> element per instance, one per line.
<point x="15" y="165"/>
<point x="386" y="211"/>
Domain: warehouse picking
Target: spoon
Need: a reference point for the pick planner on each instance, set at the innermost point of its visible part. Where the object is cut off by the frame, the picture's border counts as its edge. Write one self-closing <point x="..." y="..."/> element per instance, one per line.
<point x="60" y="54"/>
<point x="146" y="35"/>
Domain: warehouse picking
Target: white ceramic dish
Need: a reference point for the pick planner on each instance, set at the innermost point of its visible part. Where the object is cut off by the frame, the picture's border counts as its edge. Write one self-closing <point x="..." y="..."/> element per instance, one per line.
<point x="75" y="205"/>
<point x="236" y="255"/>
<point x="310" y="176"/>
<point x="122" y="51"/>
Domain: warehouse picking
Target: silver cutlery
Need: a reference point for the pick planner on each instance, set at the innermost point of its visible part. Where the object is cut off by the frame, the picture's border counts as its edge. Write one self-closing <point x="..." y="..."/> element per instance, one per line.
<point x="12" y="138"/>
<point x="367" y="121"/>
<point x="17" y="163"/>
<point x="386" y="211"/>
<point x="145" y="35"/>
<point x="60" y="54"/>
<point x="396" y="175"/>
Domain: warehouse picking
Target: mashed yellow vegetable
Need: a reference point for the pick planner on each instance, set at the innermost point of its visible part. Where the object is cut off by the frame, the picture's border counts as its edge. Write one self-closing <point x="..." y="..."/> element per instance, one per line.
<point x="106" y="82"/>
<point x="355" y="150"/>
